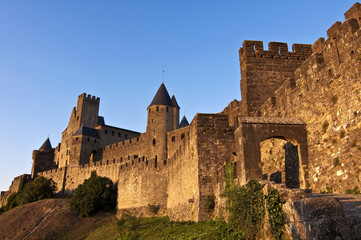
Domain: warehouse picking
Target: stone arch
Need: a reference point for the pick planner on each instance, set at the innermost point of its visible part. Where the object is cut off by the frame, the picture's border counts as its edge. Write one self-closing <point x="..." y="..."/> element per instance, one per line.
<point x="280" y="161"/>
<point x="252" y="131"/>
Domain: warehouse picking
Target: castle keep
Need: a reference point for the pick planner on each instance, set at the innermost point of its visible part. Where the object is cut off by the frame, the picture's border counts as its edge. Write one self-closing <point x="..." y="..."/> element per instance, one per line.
<point x="298" y="123"/>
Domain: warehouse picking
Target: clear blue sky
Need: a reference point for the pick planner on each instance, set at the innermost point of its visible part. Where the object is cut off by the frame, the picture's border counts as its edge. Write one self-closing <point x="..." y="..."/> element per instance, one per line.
<point x="52" y="51"/>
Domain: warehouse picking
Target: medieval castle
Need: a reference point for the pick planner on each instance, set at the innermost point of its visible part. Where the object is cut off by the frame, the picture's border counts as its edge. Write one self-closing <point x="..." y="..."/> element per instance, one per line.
<point x="298" y="123"/>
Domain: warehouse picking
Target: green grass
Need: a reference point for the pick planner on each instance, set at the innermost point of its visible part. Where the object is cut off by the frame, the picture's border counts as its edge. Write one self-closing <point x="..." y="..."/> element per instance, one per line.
<point x="107" y="231"/>
<point x="162" y="228"/>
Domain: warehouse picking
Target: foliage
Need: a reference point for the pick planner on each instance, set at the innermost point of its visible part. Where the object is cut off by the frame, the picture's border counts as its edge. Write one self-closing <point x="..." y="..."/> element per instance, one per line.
<point x="325" y="126"/>
<point x="275" y="213"/>
<point x="210" y="202"/>
<point x="245" y="205"/>
<point x="336" y="162"/>
<point x="94" y="194"/>
<point x="153" y="208"/>
<point x="334" y="99"/>
<point x="328" y="190"/>
<point x="354" y="190"/>
<point x="38" y="189"/>
<point x="132" y="228"/>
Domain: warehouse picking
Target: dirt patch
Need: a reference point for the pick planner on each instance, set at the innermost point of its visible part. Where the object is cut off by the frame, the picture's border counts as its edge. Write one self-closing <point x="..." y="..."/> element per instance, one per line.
<point x="48" y="219"/>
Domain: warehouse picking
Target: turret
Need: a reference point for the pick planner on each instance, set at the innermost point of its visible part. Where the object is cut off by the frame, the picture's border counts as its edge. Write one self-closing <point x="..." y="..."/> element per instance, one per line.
<point x="175" y="112"/>
<point x="43" y="159"/>
<point x="162" y="117"/>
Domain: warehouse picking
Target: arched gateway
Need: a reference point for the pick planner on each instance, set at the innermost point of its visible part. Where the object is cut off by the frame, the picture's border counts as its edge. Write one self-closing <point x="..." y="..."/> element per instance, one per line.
<point x="252" y="131"/>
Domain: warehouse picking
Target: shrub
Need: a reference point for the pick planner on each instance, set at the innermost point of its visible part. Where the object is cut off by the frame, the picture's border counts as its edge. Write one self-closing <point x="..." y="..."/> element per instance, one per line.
<point x="354" y="190"/>
<point x="275" y="213"/>
<point x="38" y="189"/>
<point x="94" y="194"/>
<point x="334" y="99"/>
<point x="245" y="205"/>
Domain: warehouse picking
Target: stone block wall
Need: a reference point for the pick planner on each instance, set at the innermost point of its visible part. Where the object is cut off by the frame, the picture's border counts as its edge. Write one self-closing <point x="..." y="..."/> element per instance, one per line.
<point x="262" y="71"/>
<point x="325" y="94"/>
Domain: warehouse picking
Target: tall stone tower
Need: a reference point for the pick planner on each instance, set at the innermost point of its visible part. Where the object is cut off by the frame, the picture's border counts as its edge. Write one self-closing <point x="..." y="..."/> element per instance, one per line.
<point x="163" y="116"/>
<point x="84" y="115"/>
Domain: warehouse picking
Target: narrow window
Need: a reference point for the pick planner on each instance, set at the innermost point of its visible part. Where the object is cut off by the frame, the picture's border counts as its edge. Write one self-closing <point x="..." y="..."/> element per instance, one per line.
<point x="128" y="157"/>
<point x="121" y="159"/>
<point x="149" y="110"/>
<point x="155" y="162"/>
<point x="157" y="109"/>
<point x="153" y="141"/>
<point x="106" y="131"/>
<point x="113" y="160"/>
<point x="112" y="133"/>
<point x="173" y="138"/>
<point x="88" y="139"/>
<point x="119" y="135"/>
<point x="76" y="139"/>
<point x="77" y="118"/>
<point x="165" y="162"/>
<point x="146" y="162"/>
<point x="167" y="109"/>
<point x="95" y="141"/>
<point x="182" y="135"/>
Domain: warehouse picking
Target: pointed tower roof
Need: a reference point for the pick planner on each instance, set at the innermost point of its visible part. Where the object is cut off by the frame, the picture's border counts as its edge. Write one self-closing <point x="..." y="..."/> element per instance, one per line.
<point x="87" y="131"/>
<point x="46" y="145"/>
<point x="174" y="102"/>
<point x="161" y="97"/>
<point x="184" y="122"/>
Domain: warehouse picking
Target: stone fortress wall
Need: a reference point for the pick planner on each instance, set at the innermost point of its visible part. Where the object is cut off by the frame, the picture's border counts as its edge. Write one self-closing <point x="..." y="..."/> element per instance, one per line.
<point x="311" y="94"/>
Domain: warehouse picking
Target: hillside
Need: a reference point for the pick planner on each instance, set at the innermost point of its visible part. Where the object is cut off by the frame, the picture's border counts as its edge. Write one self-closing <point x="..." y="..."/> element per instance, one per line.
<point x="49" y="219"/>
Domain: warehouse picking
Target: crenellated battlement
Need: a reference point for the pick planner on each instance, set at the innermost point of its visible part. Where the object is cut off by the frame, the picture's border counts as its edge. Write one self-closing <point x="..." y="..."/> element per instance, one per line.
<point x="276" y="50"/>
<point x="90" y="98"/>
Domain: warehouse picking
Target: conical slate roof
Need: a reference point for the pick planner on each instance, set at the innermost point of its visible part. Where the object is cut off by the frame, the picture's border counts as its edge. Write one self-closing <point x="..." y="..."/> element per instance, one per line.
<point x="46" y="145"/>
<point x="174" y="102"/>
<point x="161" y="97"/>
<point x="87" y="131"/>
<point x="184" y="122"/>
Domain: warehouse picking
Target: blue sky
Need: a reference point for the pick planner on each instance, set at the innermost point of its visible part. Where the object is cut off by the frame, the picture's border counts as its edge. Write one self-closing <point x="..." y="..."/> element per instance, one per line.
<point x="52" y="51"/>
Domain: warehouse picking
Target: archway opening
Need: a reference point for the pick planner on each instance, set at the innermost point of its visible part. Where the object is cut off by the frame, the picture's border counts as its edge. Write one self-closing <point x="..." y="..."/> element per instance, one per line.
<point x="280" y="162"/>
<point x="93" y="157"/>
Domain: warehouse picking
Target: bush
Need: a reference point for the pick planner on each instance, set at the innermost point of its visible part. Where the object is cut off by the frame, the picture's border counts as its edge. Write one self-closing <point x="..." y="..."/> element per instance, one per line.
<point x="40" y="188"/>
<point x="354" y="190"/>
<point x="245" y="205"/>
<point x="275" y="212"/>
<point x="94" y="194"/>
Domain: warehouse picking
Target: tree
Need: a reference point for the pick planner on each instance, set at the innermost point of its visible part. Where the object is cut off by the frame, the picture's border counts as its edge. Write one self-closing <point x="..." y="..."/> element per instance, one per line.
<point x="94" y="194"/>
<point x="38" y="189"/>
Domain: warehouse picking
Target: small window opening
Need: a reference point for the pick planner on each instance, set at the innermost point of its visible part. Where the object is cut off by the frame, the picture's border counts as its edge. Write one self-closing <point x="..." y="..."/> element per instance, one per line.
<point x="146" y="162"/>
<point x="128" y="157"/>
<point x="182" y="135"/>
<point x="112" y="133"/>
<point x="95" y="141"/>
<point x="173" y="138"/>
<point x="149" y="110"/>
<point x="121" y="159"/>
<point x="165" y="162"/>
<point x="119" y="134"/>
<point x="106" y="131"/>
<point x="157" y="109"/>
<point x="167" y="109"/>
<point x="88" y="139"/>
<point x="153" y="141"/>
<point x="76" y="139"/>
<point x="155" y="162"/>
<point x="113" y="160"/>
<point x="77" y="118"/>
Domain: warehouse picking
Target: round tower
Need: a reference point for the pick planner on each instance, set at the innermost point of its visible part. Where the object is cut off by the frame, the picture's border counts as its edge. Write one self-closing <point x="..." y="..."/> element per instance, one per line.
<point x="161" y="119"/>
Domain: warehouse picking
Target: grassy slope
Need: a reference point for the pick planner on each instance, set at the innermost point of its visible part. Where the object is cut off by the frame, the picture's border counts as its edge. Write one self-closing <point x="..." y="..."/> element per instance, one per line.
<point x="53" y="219"/>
